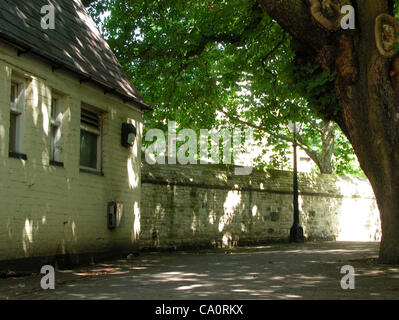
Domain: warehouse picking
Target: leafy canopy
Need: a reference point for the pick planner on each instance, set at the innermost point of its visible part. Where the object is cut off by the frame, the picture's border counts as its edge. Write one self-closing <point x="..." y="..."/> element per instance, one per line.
<point x="193" y="59"/>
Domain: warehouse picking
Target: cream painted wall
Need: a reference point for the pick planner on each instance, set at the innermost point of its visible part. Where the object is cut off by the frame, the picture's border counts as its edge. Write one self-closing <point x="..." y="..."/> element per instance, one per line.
<point x="47" y="210"/>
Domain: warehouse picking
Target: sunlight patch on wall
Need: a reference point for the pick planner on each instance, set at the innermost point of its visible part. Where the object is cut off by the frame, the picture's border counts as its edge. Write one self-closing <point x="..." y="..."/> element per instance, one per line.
<point x="233" y="199"/>
<point x="62" y="246"/>
<point x="27" y="235"/>
<point x="45" y="157"/>
<point x="28" y="230"/>
<point x="212" y="217"/>
<point x="133" y="180"/>
<point x="35" y="102"/>
<point x="194" y="223"/>
<point x="66" y="117"/>
<point x="159" y="211"/>
<point x="361" y="225"/>
<point x="222" y="176"/>
<point x="136" y="223"/>
<point x="46" y="122"/>
<point x="73" y="228"/>
<point x="254" y="210"/>
<point x="347" y="187"/>
<point x="226" y="240"/>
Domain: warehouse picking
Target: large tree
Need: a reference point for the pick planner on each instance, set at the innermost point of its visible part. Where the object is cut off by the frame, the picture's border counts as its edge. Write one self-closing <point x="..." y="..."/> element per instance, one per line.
<point x="369" y="108"/>
<point x="188" y="60"/>
<point x="361" y="60"/>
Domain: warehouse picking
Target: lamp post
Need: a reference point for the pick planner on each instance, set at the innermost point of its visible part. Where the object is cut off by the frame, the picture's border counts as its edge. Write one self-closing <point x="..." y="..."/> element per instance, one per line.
<point x="296" y="232"/>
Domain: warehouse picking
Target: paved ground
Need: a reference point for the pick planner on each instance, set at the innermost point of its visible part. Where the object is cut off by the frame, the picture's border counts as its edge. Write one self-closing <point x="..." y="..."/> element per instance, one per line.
<point x="281" y="271"/>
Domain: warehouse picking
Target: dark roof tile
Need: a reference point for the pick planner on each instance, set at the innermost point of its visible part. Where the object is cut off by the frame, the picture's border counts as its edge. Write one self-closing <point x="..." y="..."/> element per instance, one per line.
<point x="75" y="43"/>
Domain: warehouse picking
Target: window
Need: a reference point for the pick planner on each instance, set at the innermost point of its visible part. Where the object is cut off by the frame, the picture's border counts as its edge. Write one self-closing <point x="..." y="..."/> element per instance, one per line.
<point x="90" y="140"/>
<point x="55" y="130"/>
<point x="17" y="105"/>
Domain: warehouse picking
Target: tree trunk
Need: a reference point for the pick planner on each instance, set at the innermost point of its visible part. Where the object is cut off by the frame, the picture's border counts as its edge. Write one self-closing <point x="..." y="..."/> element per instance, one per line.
<point x="327" y="146"/>
<point x="369" y="111"/>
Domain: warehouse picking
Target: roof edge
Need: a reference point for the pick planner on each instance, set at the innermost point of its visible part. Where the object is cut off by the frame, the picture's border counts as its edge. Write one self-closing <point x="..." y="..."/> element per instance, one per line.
<point x="19" y="45"/>
<point x="86" y="3"/>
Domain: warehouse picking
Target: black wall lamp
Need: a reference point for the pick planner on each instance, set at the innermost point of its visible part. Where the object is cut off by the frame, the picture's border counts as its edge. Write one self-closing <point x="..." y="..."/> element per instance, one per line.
<point x="129" y="132"/>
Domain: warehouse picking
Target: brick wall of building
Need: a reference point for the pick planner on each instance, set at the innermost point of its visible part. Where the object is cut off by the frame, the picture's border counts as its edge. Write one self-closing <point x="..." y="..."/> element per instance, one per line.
<point x="46" y="210"/>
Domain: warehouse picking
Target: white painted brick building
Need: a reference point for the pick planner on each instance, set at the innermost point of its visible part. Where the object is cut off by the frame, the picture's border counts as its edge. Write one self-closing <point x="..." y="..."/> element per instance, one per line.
<point x="63" y="100"/>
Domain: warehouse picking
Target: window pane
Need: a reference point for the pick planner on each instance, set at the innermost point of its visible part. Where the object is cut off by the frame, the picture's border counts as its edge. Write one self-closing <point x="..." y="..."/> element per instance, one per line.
<point x="13" y="132"/>
<point x="14" y="90"/>
<point x="88" y="149"/>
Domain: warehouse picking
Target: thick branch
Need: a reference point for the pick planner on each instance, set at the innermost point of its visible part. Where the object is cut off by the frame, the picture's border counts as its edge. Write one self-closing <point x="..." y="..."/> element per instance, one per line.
<point x="86" y="3"/>
<point x="196" y="50"/>
<point x="225" y="37"/>
<point x="294" y="16"/>
<point x="267" y="55"/>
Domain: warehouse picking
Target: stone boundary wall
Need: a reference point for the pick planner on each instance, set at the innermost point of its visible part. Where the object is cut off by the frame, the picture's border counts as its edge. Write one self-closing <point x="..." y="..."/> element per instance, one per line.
<point x="198" y="206"/>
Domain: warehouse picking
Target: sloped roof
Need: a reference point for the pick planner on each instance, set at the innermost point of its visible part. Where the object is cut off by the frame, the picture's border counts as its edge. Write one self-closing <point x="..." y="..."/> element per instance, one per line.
<point x="75" y="44"/>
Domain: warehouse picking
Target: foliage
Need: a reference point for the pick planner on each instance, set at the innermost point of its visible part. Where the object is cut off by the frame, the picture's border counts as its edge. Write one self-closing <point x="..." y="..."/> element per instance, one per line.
<point x="317" y="86"/>
<point x="345" y="160"/>
<point x="193" y="60"/>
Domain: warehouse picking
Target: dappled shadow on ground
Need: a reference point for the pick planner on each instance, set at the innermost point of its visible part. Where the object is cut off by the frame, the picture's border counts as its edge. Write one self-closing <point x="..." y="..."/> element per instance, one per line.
<point x="288" y="271"/>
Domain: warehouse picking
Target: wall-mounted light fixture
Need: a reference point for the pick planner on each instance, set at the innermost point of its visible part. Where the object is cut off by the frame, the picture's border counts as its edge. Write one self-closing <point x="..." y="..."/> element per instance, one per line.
<point x="129" y="132"/>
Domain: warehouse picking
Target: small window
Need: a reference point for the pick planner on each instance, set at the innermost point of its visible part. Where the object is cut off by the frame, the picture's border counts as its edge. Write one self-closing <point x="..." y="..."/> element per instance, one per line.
<point x="17" y="105"/>
<point x="55" y="129"/>
<point x="90" y="140"/>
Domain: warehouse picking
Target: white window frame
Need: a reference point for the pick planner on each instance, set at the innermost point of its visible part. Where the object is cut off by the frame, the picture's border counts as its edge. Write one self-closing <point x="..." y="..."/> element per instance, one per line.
<point x="56" y="117"/>
<point x="96" y="131"/>
<point x="17" y="108"/>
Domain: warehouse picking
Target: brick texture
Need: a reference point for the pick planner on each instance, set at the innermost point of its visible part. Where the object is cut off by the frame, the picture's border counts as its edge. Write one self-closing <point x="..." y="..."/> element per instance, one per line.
<point x="48" y="210"/>
<point x="207" y="205"/>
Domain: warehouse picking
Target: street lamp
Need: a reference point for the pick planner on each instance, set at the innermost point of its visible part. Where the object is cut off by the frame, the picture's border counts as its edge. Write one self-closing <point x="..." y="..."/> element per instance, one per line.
<point x="296" y="232"/>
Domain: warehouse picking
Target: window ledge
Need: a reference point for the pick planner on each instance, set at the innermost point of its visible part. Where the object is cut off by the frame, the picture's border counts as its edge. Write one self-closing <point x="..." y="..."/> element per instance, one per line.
<point x="17" y="155"/>
<point x="56" y="163"/>
<point x="96" y="173"/>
